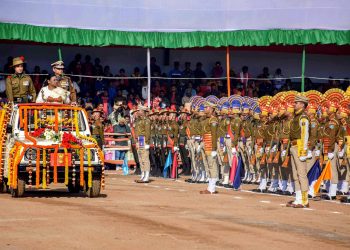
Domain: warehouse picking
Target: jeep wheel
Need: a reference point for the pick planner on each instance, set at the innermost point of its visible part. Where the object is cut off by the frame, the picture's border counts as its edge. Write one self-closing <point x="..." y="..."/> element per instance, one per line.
<point x="19" y="191"/>
<point x="95" y="190"/>
<point x="3" y="187"/>
<point x="73" y="189"/>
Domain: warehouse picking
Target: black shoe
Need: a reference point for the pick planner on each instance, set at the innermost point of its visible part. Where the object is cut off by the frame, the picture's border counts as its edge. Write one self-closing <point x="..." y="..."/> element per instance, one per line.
<point x="329" y="198"/>
<point x="279" y="191"/>
<point x="219" y="184"/>
<point x="258" y="190"/>
<point x="310" y="196"/>
<point x="341" y="193"/>
<point x="227" y="186"/>
<point x="189" y="180"/>
<point x="287" y="193"/>
<point x="345" y="200"/>
<point x="271" y="192"/>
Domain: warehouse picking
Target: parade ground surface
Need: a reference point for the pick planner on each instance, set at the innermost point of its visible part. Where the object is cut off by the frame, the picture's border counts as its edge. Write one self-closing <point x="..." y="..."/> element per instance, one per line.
<point x="168" y="214"/>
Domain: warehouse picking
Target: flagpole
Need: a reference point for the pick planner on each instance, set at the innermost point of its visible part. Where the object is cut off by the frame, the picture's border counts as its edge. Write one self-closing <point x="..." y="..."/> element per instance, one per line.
<point x="148" y="77"/>
<point x="228" y="71"/>
<point x="59" y="54"/>
<point x="303" y="71"/>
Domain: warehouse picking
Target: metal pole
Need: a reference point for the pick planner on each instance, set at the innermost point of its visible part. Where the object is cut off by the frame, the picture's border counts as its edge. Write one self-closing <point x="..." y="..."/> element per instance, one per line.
<point x="228" y="71"/>
<point x="59" y="54"/>
<point x="148" y="77"/>
<point x="303" y="71"/>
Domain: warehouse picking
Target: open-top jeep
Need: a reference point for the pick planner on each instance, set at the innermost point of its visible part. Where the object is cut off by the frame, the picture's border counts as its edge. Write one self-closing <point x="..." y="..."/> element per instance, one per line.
<point x="48" y="143"/>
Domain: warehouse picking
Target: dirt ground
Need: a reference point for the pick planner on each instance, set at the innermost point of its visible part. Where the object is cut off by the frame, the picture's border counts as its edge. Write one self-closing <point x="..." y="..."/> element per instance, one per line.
<point x="167" y="214"/>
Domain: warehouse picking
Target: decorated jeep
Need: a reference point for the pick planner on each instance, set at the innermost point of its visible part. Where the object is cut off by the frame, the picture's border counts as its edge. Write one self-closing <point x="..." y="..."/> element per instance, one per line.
<point x="48" y="143"/>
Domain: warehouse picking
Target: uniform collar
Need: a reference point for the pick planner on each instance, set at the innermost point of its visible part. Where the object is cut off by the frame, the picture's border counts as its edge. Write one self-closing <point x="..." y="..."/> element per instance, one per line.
<point x="17" y="75"/>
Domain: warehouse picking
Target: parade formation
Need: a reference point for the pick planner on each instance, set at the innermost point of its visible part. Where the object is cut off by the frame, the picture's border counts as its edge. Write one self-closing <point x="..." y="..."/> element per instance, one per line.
<point x="290" y="143"/>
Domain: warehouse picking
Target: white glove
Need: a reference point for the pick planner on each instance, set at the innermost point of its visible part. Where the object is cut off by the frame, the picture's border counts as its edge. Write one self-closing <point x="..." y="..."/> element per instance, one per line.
<point x="309" y="154"/>
<point x="274" y="148"/>
<point x="146" y="146"/>
<point x="249" y="150"/>
<point x="261" y="151"/>
<point x="302" y="158"/>
<point x="176" y="149"/>
<point x="341" y="153"/>
<point x="213" y="153"/>
<point x="186" y="147"/>
<point x="317" y="152"/>
<point x="284" y="152"/>
<point x="330" y="156"/>
<point x="224" y="149"/>
<point x="199" y="149"/>
<point x="234" y="151"/>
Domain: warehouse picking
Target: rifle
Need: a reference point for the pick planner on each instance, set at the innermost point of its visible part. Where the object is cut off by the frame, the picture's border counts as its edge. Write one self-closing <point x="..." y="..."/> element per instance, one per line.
<point x="287" y="157"/>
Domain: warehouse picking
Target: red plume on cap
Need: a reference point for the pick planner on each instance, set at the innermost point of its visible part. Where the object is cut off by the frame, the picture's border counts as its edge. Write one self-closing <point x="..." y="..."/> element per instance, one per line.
<point x="22" y="58"/>
<point x="172" y="107"/>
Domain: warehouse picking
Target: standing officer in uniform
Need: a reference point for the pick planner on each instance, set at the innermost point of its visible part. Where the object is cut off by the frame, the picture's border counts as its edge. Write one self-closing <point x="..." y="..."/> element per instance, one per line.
<point x="97" y="127"/>
<point x="330" y="148"/>
<point x="19" y="86"/>
<point x="299" y="138"/>
<point x="142" y="133"/>
<point x="209" y="132"/>
<point x="183" y="130"/>
<point x="64" y="81"/>
<point x="224" y="121"/>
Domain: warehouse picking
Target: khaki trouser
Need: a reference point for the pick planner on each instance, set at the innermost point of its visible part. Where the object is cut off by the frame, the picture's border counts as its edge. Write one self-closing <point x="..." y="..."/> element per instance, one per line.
<point x="243" y="150"/>
<point x="228" y="144"/>
<point x="192" y="150"/>
<point x="224" y="165"/>
<point x="299" y="169"/>
<point x="204" y="156"/>
<point x="212" y="166"/>
<point x="144" y="159"/>
<point x="343" y="169"/>
<point x="335" y="166"/>
<point x="286" y="173"/>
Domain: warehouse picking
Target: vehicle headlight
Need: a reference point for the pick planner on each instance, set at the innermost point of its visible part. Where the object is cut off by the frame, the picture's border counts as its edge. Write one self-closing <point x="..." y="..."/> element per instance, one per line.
<point x="30" y="154"/>
<point x="92" y="155"/>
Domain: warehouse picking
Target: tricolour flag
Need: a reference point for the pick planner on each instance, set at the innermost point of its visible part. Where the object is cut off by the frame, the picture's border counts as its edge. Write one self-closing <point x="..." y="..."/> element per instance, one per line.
<point x="325" y="175"/>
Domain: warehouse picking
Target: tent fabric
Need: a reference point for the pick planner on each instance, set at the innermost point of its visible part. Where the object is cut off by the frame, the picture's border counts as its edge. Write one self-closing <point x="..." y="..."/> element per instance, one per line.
<point x="176" y="24"/>
<point x="84" y="37"/>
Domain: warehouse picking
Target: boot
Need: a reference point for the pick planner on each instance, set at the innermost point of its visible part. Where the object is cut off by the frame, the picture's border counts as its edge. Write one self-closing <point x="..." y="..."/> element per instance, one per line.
<point x="297" y="201"/>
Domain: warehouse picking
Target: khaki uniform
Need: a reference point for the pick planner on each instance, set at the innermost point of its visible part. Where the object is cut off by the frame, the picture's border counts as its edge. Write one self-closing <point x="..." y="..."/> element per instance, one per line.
<point x="20" y="88"/>
<point x="330" y="133"/>
<point x="343" y="139"/>
<point x="142" y="132"/>
<point x="222" y="155"/>
<point x="313" y="140"/>
<point x="209" y="134"/>
<point x="284" y="161"/>
<point x="183" y="129"/>
<point x="193" y="143"/>
<point x="98" y="132"/>
<point x="299" y="126"/>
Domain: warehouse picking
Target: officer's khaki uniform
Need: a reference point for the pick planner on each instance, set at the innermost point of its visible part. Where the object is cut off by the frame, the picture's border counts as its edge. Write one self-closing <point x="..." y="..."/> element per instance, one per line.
<point x="20" y="88"/>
